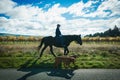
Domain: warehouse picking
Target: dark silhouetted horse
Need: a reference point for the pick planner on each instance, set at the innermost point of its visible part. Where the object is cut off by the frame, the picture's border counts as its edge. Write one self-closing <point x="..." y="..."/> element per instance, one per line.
<point x="52" y="41"/>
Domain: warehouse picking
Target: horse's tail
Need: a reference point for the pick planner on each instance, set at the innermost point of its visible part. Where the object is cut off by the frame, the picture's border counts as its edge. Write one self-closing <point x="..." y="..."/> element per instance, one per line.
<point x="39" y="47"/>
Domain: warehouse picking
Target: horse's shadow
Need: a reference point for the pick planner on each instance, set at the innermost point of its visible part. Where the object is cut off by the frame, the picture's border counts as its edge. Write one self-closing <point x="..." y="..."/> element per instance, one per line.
<point x="63" y="73"/>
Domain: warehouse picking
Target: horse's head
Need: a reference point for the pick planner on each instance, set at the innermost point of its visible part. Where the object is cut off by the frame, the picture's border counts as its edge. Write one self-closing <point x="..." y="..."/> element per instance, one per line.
<point x="78" y="39"/>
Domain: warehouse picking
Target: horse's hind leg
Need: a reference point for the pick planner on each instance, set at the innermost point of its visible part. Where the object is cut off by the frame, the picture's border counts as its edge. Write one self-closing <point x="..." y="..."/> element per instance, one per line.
<point x="51" y="49"/>
<point x="43" y="50"/>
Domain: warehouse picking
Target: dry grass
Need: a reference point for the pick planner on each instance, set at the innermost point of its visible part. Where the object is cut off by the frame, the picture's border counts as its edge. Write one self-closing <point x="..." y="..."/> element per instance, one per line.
<point x="91" y="55"/>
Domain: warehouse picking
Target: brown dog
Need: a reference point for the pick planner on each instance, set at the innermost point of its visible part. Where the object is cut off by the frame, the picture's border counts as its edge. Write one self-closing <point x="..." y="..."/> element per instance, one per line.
<point x="65" y="59"/>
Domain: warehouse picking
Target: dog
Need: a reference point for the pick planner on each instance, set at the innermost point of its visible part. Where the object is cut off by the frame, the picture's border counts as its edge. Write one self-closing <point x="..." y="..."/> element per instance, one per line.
<point x="66" y="60"/>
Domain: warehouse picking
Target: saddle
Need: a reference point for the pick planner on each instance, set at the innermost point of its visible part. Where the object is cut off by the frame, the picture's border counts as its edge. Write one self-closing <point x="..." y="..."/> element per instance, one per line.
<point x="59" y="40"/>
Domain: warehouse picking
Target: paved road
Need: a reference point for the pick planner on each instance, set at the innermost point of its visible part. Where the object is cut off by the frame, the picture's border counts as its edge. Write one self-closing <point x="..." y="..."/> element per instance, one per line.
<point x="57" y="74"/>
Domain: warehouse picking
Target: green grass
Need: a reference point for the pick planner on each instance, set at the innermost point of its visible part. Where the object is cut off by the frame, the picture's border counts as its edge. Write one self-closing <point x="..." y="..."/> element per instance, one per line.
<point x="26" y="62"/>
<point x="24" y="55"/>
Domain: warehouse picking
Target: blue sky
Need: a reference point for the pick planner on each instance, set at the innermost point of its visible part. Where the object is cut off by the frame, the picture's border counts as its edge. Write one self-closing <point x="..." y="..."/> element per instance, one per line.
<point x="40" y="17"/>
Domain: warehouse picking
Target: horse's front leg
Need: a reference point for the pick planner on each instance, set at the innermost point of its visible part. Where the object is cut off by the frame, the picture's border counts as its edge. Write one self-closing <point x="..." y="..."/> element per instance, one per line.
<point x="66" y="51"/>
<point x="51" y="49"/>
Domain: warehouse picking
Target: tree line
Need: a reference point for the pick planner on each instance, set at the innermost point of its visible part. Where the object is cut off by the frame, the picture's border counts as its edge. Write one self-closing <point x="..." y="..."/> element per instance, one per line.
<point x="108" y="33"/>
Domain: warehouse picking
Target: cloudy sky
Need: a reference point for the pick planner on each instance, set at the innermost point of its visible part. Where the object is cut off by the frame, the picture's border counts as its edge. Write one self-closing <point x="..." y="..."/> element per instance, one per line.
<point x="40" y="17"/>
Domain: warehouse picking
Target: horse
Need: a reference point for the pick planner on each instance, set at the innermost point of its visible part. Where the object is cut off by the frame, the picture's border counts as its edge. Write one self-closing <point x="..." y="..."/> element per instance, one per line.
<point x="52" y="41"/>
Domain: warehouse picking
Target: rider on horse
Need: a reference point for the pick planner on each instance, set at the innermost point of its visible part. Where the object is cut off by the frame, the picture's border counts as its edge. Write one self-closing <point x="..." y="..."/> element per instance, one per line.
<point x="58" y="33"/>
<point x="58" y="36"/>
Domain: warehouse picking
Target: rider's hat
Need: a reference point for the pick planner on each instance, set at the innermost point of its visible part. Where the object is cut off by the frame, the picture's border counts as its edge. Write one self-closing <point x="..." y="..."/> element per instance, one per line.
<point x="58" y="25"/>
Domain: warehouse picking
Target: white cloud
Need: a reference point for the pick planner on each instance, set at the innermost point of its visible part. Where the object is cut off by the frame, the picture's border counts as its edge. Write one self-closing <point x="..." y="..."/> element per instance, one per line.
<point x="112" y="5"/>
<point x="54" y="13"/>
<point x="78" y="8"/>
<point x="85" y="26"/>
<point x="47" y="5"/>
<point x="114" y="22"/>
<point x="6" y="5"/>
<point x="24" y="12"/>
<point x="27" y="19"/>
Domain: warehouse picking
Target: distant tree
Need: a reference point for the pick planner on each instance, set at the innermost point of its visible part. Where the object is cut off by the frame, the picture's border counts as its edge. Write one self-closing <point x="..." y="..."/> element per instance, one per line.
<point x="96" y="34"/>
<point x="90" y="35"/>
<point x="115" y="31"/>
<point x="101" y="34"/>
<point x="108" y="33"/>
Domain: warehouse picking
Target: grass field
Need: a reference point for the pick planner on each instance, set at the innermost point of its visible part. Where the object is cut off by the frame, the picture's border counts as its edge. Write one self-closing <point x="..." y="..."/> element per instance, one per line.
<point x="91" y="55"/>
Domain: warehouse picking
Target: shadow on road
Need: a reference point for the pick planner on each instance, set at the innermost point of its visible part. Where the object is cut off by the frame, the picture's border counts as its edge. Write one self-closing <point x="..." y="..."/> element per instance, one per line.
<point x="63" y="73"/>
